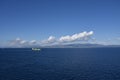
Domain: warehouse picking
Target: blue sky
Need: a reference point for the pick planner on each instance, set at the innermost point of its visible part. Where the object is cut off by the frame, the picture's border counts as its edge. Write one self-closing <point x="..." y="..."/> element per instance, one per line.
<point x="39" y="19"/>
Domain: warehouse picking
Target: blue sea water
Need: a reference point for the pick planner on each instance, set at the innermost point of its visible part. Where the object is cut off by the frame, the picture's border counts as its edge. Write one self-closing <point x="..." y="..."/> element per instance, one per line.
<point x="60" y="64"/>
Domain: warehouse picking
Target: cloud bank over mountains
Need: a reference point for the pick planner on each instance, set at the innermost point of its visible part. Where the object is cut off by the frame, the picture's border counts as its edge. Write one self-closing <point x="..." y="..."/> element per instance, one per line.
<point x="78" y="37"/>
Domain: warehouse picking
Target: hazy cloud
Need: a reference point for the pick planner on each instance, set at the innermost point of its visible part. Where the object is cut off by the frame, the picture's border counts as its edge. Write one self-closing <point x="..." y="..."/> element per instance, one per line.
<point x="118" y="38"/>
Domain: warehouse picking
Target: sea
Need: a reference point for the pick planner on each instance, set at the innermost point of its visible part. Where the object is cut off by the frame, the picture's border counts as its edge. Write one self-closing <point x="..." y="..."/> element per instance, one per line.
<point x="60" y="64"/>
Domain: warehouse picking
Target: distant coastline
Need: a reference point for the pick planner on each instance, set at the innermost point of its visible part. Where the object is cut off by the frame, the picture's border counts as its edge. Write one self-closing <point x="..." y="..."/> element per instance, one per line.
<point x="69" y="46"/>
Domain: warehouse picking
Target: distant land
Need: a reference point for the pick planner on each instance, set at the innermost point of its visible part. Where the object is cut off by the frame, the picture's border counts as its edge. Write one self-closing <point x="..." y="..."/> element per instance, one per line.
<point x="76" y="45"/>
<point x="80" y="46"/>
<point x="87" y="45"/>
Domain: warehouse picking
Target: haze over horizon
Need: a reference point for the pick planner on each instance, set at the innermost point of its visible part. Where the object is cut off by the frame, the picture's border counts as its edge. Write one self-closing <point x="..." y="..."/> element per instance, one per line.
<point x="49" y="22"/>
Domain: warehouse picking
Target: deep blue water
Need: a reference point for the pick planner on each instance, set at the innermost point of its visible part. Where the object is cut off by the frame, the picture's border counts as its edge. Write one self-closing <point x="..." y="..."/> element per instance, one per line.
<point x="60" y="64"/>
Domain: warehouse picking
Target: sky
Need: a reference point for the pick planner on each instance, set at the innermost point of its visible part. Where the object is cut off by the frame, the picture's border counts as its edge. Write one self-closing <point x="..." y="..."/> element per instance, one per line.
<point x="49" y="21"/>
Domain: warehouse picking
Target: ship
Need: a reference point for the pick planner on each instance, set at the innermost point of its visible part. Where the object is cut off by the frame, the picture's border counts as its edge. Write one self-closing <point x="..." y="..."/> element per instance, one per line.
<point x="36" y="49"/>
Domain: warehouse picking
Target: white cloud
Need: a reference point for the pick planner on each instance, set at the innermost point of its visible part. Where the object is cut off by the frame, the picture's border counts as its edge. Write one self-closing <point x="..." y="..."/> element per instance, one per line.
<point x="22" y="43"/>
<point x="33" y="42"/>
<point x="80" y="36"/>
<point x="17" y="42"/>
<point x="83" y="36"/>
<point x="18" y="39"/>
<point x="51" y="39"/>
